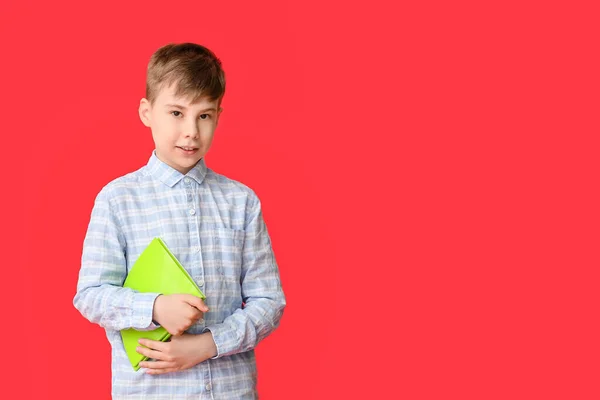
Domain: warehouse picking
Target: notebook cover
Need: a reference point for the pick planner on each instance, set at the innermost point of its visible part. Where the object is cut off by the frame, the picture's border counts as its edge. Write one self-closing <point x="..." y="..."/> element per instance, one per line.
<point x="157" y="271"/>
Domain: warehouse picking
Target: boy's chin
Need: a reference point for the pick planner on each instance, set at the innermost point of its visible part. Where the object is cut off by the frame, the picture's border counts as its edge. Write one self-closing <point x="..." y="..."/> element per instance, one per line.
<point x="181" y="163"/>
<point x="187" y="162"/>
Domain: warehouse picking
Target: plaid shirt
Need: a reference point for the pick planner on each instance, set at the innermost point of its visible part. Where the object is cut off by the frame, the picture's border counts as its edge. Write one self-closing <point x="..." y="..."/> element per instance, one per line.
<point x="214" y="226"/>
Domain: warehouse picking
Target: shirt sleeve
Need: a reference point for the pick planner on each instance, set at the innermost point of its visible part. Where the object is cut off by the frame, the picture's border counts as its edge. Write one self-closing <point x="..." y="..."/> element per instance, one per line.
<point x="100" y="296"/>
<point x="261" y="292"/>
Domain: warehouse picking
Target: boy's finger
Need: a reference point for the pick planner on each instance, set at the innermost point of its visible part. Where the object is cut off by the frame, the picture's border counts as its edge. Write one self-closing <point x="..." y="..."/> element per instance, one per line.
<point x="156" y="364"/>
<point x="196" y="302"/>
<point x="149" y="353"/>
<point x="152" y="344"/>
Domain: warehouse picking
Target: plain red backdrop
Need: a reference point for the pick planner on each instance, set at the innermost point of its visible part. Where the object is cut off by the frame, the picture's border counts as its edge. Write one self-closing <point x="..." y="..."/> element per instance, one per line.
<point x="428" y="171"/>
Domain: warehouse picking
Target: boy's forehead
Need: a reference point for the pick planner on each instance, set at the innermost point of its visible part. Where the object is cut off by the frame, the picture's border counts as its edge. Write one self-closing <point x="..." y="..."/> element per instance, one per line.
<point x="167" y="95"/>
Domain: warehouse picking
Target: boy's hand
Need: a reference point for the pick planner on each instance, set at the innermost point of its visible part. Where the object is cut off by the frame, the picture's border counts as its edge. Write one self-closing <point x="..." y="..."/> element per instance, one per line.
<point x="182" y="352"/>
<point x="177" y="312"/>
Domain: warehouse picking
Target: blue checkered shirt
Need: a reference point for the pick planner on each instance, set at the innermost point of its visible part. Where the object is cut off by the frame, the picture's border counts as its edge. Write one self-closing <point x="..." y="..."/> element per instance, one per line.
<point x="214" y="226"/>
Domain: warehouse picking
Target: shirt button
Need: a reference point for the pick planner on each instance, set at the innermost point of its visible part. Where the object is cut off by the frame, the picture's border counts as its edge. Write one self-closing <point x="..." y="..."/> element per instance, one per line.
<point x="187" y="180"/>
<point x="195" y="249"/>
<point x="200" y="282"/>
<point x="208" y="386"/>
<point x="192" y="211"/>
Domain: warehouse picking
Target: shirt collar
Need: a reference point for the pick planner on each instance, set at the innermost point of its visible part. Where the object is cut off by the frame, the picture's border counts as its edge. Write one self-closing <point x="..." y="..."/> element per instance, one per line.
<point x="170" y="176"/>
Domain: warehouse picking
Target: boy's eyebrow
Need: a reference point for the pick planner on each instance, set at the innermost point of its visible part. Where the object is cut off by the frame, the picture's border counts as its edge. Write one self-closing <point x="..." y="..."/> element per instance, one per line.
<point x="183" y="107"/>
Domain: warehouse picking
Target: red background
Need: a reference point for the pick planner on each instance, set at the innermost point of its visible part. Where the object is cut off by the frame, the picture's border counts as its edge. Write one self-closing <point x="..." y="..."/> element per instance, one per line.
<point x="429" y="177"/>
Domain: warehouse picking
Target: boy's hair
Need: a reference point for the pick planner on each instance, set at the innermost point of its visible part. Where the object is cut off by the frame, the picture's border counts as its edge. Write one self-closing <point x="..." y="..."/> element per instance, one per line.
<point x="195" y="70"/>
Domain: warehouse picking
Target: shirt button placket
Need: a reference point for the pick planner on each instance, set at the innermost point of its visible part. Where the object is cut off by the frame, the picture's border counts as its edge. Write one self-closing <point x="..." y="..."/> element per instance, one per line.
<point x="192" y="210"/>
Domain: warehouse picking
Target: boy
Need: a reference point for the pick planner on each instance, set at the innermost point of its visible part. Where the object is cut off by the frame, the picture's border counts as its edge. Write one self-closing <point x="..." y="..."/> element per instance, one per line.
<point x="212" y="224"/>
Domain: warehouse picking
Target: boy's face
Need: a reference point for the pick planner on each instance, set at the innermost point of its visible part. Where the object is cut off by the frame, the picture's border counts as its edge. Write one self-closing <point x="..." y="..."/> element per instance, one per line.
<point x="182" y="132"/>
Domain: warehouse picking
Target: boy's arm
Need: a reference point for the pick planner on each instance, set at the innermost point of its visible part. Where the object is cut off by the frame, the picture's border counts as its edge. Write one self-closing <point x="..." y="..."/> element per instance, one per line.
<point x="261" y="292"/>
<point x="100" y="296"/>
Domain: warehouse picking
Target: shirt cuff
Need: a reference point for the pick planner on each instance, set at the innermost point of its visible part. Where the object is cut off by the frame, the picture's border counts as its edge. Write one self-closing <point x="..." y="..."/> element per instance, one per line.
<point x="225" y="338"/>
<point x="142" y="309"/>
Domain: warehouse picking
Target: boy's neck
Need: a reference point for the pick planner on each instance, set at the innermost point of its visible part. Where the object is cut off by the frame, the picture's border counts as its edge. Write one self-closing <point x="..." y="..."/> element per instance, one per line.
<point x="181" y="171"/>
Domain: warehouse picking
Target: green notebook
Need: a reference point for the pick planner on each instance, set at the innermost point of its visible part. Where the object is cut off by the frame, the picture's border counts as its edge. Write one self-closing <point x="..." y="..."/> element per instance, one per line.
<point x="157" y="271"/>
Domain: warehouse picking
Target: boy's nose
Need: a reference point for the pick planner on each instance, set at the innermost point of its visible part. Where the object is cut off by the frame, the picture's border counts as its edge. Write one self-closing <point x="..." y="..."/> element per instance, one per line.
<point x="192" y="130"/>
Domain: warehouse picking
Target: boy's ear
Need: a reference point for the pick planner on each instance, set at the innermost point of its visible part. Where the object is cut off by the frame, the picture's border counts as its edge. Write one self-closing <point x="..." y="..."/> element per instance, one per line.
<point x="144" y="111"/>
<point x="219" y="111"/>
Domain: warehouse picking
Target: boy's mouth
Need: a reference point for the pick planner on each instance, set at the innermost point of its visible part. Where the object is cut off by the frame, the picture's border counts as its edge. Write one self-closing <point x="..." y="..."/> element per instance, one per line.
<point x="188" y="150"/>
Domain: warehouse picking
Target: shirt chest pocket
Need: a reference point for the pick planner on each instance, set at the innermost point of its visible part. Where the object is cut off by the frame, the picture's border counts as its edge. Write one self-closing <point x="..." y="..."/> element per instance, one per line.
<point x="226" y="246"/>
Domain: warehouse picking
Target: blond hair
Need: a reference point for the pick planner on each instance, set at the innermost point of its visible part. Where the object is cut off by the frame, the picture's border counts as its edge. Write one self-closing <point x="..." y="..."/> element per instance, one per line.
<point x="195" y="70"/>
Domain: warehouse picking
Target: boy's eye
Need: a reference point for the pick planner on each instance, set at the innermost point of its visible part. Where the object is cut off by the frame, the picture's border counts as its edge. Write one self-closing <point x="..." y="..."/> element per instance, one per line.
<point x="204" y="116"/>
<point x="176" y="113"/>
